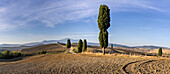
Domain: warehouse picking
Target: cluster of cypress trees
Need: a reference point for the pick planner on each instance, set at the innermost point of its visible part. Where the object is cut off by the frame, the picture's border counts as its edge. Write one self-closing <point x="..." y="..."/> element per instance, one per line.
<point x="79" y="46"/>
<point x="103" y="25"/>
<point x="82" y="45"/>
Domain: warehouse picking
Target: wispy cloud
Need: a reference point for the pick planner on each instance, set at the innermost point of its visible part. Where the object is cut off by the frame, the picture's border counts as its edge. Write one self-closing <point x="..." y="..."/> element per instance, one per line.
<point x="144" y="28"/>
<point x="39" y="37"/>
<point x="81" y="34"/>
<point x="16" y="13"/>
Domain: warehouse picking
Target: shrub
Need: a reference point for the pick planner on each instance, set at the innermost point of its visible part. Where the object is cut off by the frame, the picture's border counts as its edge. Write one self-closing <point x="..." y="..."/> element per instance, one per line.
<point x="1" y="56"/>
<point x="160" y="52"/>
<point x="74" y="50"/>
<point x="8" y="54"/>
<point x="17" y="54"/>
<point x="42" y="52"/>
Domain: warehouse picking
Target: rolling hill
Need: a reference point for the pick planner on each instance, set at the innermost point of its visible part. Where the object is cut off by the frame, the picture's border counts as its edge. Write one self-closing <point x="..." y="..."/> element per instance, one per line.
<point x="52" y="48"/>
<point x="34" y="44"/>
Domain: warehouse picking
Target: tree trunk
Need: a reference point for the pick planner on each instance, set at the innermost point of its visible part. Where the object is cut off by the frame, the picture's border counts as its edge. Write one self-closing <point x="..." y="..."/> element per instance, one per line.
<point x="103" y="51"/>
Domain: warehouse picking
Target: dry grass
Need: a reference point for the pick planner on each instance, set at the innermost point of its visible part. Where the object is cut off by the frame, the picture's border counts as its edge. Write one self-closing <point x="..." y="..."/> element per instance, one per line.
<point x="166" y="51"/>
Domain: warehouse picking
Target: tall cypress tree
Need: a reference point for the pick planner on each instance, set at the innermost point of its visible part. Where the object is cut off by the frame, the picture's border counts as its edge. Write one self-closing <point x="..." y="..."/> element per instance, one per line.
<point x="111" y="46"/>
<point x="103" y="25"/>
<point x="79" y="46"/>
<point x="68" y="45"/>
<point x="84" y="45"/>
<point x="160" y="52"/>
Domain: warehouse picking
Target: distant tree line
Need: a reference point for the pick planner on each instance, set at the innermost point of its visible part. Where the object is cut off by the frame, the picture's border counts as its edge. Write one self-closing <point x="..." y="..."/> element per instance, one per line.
<point x="42" y="52"/>
<point x="9" y="54"/>
<point x="6" y="54"/>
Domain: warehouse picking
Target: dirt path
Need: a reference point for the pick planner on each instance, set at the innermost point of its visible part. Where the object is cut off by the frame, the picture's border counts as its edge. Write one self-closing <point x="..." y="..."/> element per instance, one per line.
<point x="149" y="66"/>
<point x="83" y="63"/>
<point x="127" y="68"/>
<point x="70" y="51"/>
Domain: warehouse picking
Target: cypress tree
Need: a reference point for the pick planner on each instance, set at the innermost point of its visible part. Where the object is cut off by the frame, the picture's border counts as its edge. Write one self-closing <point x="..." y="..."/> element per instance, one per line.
<point x="111" y="46"/>
<point x="160" y="52"/>
<point x="103" y="25"/>
<point x="79" y="46"/>
<point x="84" y="45"/>
<point x="68" y="45"/>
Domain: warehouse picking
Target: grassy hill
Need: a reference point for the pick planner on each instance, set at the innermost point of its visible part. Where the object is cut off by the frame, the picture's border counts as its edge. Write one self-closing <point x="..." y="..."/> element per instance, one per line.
<point x="60" y="48"/>
<point x="52" y="48"/>
<point x="84" y="63"/>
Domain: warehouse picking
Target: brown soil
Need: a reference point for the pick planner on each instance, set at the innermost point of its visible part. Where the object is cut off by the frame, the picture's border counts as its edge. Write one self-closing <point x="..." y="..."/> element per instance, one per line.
<point x="85" y="63"/>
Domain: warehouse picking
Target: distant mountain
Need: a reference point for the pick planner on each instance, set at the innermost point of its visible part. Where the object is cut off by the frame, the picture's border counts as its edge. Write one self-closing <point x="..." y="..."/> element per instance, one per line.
<point x="49" y="42"/>
<point x="13" y="48"/>
<point x="151" y="47"/>
<point x="33" y="44"/>
<point x="109" y="45"/>
<point x="10" y="45"/>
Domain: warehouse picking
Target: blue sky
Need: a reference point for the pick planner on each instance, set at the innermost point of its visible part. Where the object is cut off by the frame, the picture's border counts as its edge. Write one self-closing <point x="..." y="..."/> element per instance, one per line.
<point x="133" y="22"/>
